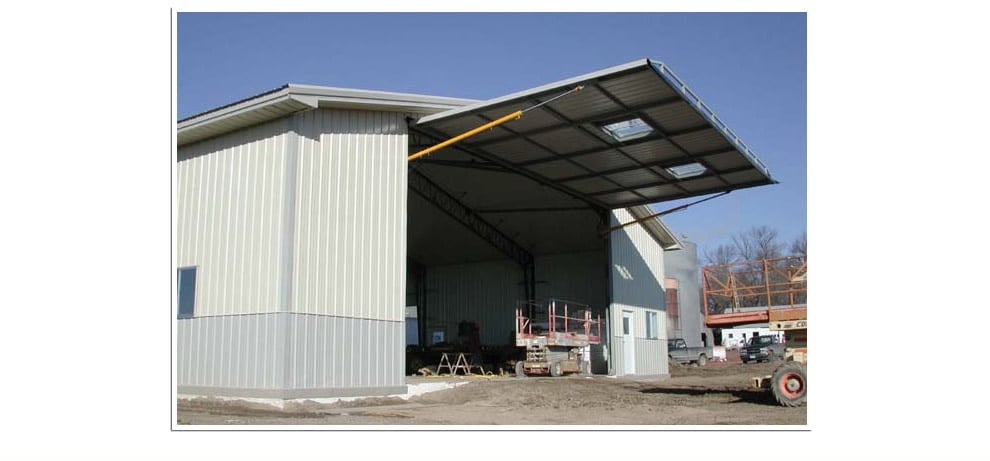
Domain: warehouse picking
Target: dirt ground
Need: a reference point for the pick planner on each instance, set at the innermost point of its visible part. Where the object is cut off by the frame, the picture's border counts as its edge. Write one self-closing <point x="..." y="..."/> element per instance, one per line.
<point x="716" y="394"/>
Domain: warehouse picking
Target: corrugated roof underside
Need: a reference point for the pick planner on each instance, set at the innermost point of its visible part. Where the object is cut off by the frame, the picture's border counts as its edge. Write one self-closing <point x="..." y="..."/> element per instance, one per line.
<point x="563" y="145"/>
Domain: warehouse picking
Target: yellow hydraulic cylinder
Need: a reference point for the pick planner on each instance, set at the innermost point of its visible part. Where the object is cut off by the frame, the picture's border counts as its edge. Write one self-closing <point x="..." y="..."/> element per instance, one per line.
<point x="467" y="134"/>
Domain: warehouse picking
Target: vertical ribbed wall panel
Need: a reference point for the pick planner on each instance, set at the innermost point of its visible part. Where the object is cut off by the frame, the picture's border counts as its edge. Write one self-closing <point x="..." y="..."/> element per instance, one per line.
<point x="233" y="351"/>
<point x="229" y="202"/>
<point x="350" y="230"/>
<point x="637" y="265"/>
<point x="580" y="277"/>
<point x="484" y="292"/>
<point x="637" y="284"/>
<point x="286" y="351"/>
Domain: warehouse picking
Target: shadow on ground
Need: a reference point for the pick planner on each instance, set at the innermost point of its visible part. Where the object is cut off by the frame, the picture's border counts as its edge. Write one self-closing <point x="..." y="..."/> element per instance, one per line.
<point x="742" y="395"/>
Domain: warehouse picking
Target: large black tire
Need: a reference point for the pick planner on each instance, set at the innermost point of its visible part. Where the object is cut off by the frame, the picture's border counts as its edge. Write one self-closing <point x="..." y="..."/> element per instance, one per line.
<point x="702" y="360"/>
<point x="790" y="384"/>
<point x="520" y="369"/>
<point x="556" y="370"/>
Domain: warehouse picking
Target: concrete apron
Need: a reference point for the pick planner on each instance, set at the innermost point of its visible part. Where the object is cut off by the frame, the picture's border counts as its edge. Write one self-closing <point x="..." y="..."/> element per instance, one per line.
<point x="414" y="388"/>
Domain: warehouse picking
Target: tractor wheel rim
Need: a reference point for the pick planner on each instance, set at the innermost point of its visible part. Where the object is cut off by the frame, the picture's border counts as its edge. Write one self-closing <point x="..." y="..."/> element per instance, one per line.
<point x="791" y="385"/>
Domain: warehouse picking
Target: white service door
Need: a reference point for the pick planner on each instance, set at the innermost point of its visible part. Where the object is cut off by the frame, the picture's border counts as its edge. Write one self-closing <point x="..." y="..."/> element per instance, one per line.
<point x="628" y="345"/>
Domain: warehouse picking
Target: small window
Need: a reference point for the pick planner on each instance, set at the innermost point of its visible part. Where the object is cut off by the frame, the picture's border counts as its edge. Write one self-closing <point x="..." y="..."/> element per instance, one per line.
<point x="627" y="129"/>
<point x="651" y="325"/>
<point x="686" y="171"/>
<point x="625" y="326"/>
<point x="187" y="292"/>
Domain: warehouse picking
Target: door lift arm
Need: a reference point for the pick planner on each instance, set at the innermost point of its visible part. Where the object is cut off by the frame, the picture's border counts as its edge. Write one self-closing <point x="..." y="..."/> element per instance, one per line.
<point x="494" y="123"/>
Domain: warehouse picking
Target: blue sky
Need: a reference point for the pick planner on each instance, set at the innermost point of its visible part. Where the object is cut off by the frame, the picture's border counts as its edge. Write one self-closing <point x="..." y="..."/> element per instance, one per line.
<point x="749" y="67"/>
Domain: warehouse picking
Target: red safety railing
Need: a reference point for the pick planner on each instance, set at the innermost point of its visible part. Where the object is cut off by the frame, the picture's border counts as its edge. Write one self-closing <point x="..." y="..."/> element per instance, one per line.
<point x="563" y="319"/>
<point x="746" y="292"/>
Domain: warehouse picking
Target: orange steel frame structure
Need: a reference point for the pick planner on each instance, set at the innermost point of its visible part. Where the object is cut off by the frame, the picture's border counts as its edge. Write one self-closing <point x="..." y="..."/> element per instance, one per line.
<point x="755" y="291"/>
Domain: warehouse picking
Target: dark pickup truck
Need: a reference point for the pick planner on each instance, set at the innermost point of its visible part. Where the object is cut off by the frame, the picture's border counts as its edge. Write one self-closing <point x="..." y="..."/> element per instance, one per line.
<point x="761" y="348"/>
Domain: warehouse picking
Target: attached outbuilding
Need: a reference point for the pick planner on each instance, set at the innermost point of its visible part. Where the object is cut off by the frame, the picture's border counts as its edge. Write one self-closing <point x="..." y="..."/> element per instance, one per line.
<point x="303" y="231"/>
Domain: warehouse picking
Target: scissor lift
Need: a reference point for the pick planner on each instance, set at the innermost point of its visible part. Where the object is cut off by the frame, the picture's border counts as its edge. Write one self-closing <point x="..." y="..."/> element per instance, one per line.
<point x="555" y="346"/>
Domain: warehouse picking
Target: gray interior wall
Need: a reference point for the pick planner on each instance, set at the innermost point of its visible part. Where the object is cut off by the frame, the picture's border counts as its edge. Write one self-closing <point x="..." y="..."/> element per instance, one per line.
<point x="683" y="265"/>
<point x="580" y="277"/>
<point x="483" y="292"/>
<point x="487" y="292"/>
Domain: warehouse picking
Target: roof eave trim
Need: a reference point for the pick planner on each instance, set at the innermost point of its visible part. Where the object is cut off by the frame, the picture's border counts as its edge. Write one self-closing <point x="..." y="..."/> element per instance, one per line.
<point x="237" y="109"/>
<point x="331" y="95"/>
<point x="562" y="83"/>
<point x="657" y="229"/>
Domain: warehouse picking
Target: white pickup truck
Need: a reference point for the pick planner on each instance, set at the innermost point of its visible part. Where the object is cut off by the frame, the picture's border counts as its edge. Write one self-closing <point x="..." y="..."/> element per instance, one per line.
<point x="678" y="351"/>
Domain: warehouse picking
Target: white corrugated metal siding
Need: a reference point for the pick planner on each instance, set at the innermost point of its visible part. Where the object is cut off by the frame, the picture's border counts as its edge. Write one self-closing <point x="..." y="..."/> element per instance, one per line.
<point x="350" y="231"/>
<point x="637" y="285"/>
<point x="306" y="215"/>
<point x="229" y="218"/>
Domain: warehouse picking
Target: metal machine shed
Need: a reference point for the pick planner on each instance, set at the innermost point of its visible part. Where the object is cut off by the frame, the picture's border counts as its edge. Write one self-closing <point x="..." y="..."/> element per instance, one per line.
<point x="296" y="224"/>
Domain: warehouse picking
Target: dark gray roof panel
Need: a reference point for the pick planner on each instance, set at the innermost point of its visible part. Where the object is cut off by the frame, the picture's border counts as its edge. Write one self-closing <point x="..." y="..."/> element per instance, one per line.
<point x="596" y="167"/>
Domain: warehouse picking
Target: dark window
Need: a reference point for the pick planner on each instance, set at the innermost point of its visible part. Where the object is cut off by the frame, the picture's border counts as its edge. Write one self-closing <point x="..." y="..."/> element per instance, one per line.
<point x="673" y="311"/>
<point x="187" y="292"/>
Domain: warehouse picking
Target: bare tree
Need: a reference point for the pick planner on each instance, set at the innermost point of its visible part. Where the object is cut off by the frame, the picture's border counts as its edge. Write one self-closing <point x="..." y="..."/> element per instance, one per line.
<point x="722" y="254"/>
<point x="758" y="243"/>
<point x="799" y="247"/>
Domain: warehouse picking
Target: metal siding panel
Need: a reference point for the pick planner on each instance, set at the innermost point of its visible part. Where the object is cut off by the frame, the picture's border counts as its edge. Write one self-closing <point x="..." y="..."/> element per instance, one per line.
<point x="351" y="237"/>
<point x="637" y="274"/>
<point x="290" y="351"/>
<point x="567" y="140"/>
<point x="225" y="201"/>
<point x="484" y="292"/>
<point x="575" y="277"/>
<point x="655" y="151"/>
<point x="648" y="357"/>
<point x="339" y="363"/>
<point x="635" y="177"/>
<point x="702" y="141"/>
<point x="678" y="116"/>
<point x="633" y="89"/>
<point x="557" y="169"/>
<point x="604" y="161"/>
<point x="590" y="103"/>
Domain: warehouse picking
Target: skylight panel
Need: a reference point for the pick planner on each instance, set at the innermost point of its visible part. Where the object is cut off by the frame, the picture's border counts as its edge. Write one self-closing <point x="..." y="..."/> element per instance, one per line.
<point x="627" y="129"/>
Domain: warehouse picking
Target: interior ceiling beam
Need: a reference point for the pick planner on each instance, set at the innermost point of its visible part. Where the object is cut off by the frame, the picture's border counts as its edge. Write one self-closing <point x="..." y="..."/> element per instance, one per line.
<point x="478" y="153"/>
<point x="536" y="210"/>
<point x="434" y="194"/>
<point x="474" y="165"/>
